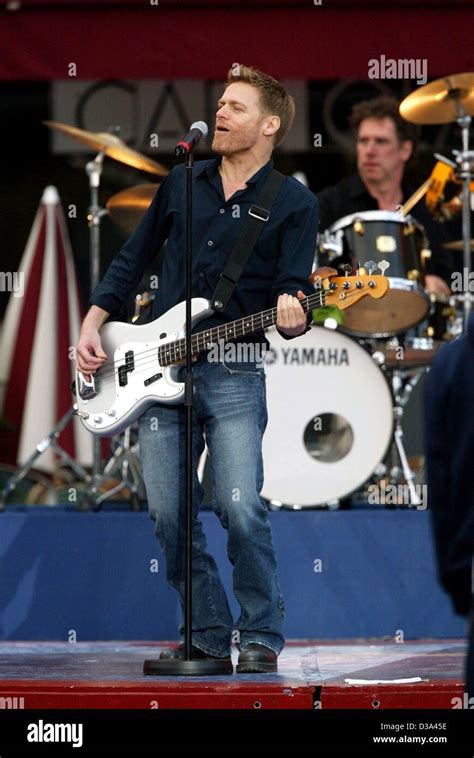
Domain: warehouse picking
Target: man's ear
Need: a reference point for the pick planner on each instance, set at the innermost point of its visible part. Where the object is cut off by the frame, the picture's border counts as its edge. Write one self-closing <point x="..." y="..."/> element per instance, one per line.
<point x="272" y="124"/>
<point x="406" y="149"/>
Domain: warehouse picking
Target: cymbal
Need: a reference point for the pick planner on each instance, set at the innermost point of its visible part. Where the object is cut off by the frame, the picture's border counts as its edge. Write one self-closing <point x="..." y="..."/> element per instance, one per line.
<point x="128" y="207"/>
<point x="112" y="146"/>
<point x="457" y="245"/>
<point x="435" y="103"/>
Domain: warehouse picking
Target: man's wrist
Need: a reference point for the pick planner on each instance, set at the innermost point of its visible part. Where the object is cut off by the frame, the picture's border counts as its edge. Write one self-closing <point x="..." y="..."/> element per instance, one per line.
<point x="95" y="318"/>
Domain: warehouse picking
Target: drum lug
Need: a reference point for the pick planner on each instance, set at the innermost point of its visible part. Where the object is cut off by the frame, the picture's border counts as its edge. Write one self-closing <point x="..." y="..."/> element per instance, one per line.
<point x="425" y="254"/>
<point x="359" y="227"/>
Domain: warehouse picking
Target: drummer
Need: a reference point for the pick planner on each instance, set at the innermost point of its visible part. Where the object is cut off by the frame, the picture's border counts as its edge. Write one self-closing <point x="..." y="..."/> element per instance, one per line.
<point x="385" y="143"/>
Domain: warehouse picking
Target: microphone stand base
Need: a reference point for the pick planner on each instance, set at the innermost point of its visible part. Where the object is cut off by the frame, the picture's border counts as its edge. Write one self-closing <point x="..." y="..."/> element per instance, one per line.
<point x="183" y="667"/>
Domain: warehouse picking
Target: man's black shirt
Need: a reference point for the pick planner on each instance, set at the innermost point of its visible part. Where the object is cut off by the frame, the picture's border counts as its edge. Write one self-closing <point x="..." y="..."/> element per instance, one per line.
<point x="280" y="262"/>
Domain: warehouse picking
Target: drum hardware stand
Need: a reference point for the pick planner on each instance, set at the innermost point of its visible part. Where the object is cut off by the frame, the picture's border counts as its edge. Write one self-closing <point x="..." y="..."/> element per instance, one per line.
<point x="107" y="144"/>
<point x="49" y="442"/>
<point x="98" y="475"/>
<point x="125" y="459"/>
<point x="402" y="392"/>
<point x="444" y="101"/>
<point x="94" y="217"/>
<point x="464" y="160"/>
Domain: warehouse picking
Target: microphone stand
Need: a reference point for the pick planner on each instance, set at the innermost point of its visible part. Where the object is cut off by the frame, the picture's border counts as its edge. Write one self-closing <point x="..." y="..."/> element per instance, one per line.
<point x="188" y="666"/>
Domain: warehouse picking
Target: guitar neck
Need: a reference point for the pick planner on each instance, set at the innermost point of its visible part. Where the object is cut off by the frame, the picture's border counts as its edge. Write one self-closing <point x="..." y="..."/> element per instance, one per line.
<point x="176" y="351"/>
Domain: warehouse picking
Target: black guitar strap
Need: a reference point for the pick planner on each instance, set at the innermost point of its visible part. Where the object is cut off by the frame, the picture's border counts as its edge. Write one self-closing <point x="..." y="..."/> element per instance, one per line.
<point x="258" y="215"/>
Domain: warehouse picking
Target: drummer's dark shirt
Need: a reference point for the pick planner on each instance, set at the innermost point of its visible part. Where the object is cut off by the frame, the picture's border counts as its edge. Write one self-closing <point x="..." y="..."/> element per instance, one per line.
<point x="351" y="196"/>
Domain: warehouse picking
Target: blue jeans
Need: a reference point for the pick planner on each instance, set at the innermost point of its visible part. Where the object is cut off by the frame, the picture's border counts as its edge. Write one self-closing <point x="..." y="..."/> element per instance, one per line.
<point x="230" y="407"/>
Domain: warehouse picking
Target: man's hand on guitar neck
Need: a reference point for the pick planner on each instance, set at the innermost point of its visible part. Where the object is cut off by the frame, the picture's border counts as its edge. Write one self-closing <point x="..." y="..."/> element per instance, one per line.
<point x="291" y="318"/>
<point x="89" y="353"/>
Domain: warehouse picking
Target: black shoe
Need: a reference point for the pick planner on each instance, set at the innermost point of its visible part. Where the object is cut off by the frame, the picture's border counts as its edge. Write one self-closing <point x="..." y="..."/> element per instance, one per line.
<point x="257" y="659"/>
<point x="197" y="653"/>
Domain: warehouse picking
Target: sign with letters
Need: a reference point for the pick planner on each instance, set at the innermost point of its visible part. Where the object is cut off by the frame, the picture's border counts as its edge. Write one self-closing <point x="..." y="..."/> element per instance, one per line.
<point x="154" y="114"/>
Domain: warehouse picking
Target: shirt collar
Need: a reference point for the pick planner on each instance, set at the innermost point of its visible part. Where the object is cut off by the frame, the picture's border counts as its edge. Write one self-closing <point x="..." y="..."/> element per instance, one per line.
<point x="211" y="168"/>
<point x="358" y="188"/>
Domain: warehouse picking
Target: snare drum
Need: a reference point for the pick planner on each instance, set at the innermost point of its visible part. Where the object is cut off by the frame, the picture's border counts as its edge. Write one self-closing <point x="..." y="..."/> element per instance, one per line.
<point x="377" y="236"/>
<point x="330" y="418"/>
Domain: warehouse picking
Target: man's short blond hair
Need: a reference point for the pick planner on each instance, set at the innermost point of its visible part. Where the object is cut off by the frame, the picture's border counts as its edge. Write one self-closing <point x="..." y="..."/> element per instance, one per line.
<point x="274" y="99"/>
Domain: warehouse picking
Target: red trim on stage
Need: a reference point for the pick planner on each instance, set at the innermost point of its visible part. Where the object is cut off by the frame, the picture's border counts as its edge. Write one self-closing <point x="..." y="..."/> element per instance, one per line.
<point x="311" y="675"/>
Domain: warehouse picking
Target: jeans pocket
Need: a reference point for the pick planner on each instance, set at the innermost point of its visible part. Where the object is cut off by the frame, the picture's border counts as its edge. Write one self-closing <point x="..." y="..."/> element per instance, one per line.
<point x="244" y="358"/>
<point x="243" y="368"/>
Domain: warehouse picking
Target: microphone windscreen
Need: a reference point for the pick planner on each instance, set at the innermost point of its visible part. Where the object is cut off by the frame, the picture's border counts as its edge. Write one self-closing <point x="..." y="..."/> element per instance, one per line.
<point x="202" y="127"/>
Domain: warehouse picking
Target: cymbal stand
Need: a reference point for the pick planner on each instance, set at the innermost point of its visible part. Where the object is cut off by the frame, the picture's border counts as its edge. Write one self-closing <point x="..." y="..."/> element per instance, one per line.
<point x="94" y="217"/>
<point x="464" y="160"/>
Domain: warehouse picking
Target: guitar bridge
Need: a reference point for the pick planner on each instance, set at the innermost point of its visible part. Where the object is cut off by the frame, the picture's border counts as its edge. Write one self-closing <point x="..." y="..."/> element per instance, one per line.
<point x="86" y="389"/>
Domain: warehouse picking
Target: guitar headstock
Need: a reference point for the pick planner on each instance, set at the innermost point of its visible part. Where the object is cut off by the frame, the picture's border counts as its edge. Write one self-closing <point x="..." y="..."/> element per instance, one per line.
<point x="344" y="291"/>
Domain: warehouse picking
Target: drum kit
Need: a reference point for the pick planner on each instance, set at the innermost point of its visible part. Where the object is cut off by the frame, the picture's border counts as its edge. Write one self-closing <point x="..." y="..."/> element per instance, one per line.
<point x="350" y="433"/>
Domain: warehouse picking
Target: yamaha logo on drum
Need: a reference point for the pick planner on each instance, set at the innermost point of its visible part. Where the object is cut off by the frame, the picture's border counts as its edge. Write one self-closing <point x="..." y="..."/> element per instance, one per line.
<point x="313" y="356"/>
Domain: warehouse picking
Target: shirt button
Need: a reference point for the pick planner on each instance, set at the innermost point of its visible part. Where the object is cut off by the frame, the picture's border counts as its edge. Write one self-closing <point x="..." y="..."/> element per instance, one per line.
<point x="210" y="243"/>
<point x="221" y="210"/>
<point x="201" y="274"/>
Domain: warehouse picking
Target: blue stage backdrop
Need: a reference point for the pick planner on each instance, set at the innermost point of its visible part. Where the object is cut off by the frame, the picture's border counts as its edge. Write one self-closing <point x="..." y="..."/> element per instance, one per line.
<point x="101" y="576"/>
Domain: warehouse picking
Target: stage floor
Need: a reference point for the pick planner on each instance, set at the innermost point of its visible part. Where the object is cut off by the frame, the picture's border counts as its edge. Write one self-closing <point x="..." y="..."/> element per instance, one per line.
<point x="372" y="674"/>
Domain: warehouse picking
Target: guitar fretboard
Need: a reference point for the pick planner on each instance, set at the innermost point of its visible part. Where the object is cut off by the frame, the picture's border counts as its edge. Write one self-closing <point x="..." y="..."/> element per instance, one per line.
<point x="173" y="352"/>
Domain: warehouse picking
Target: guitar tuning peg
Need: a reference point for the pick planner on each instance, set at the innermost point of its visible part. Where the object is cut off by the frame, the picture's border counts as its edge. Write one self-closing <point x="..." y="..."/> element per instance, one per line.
<point x="370" y="266"/>
<point x="383" y="266"/>
<point x="346" y="268"/>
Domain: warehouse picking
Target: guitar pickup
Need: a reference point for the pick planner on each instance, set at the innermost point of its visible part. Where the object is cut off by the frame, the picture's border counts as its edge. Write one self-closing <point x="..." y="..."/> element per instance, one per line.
<point x="152" y="379"/>
<point x="86" y="389"/>
<point x="129" y="366"/>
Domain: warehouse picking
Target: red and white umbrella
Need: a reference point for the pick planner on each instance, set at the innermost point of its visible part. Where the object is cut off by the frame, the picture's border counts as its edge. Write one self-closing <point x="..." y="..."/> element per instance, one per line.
<point x="39" y="334"/>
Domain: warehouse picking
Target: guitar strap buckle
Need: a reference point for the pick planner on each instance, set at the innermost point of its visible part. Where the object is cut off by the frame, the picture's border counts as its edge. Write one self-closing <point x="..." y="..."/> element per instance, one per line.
<point x="259" y="213"/>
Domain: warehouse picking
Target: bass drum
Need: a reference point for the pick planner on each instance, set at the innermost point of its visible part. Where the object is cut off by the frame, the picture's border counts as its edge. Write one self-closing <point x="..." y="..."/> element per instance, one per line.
<point x="330" y="418"/>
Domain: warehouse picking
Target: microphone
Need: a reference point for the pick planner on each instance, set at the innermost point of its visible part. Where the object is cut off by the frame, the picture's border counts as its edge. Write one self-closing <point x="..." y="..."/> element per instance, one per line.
<point x="190" y="140"/>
